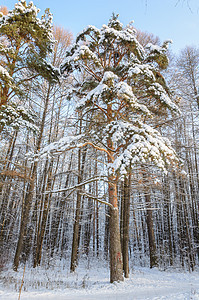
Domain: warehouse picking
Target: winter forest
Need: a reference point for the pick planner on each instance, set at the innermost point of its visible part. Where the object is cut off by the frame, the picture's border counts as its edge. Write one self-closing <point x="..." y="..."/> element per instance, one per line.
<point x="99" y="152"/>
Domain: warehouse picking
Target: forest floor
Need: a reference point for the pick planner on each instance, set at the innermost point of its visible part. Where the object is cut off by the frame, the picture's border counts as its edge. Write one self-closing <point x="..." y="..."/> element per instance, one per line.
<point x="91" y="281"/>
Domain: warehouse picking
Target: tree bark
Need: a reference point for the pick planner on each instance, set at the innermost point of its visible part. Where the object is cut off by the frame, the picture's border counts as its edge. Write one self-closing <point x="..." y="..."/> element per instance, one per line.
<point x="125" y="224"/>
<point x="116" y="262"/>
<point x="151" y="236"/>
<point x="75" y="243"/>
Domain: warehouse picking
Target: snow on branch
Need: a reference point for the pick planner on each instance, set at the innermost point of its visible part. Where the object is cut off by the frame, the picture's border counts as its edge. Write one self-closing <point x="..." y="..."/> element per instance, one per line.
<point x="92" y="197"/>
<point x="145" y="144"/>
<point x="111" y="87"/>
<point x="83" y="192"/>
<point x="69" y="143"/>
<point x="124" y="92"/>
<point x="5" y="75"/>
<point x="159" y="93"/>
<point x="64" y="144"/>
<point x="158" y="54"/>
<point x="77" y="186"/>
<point x="77" y="54"/>
<point x="87" y="31"/>
<point x="144" y="70"/>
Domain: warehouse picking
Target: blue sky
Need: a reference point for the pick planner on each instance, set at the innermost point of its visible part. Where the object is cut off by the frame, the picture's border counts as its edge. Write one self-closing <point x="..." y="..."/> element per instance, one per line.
<point x="169" y="19"/>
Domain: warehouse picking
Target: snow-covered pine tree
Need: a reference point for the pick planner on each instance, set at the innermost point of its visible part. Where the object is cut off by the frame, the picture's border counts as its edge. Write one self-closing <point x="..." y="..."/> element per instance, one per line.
<point x="25" y="41"/>
<point x="122" y="91"/>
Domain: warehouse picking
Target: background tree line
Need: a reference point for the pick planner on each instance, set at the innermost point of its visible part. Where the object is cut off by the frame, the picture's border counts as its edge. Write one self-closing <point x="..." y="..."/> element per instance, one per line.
<point x="57" y="206"/>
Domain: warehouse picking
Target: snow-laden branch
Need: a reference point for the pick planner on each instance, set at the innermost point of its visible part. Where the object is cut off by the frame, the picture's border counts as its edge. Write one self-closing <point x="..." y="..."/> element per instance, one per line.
<point x="145" y="144"/>
<point x="75" y="186"/>
<point x="70" y="143"/>
<point x="88" y="195"/>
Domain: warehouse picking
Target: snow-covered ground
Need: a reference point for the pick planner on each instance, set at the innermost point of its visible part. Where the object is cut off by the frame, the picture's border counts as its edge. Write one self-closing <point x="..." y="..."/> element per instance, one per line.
<point x="93" y="283"/>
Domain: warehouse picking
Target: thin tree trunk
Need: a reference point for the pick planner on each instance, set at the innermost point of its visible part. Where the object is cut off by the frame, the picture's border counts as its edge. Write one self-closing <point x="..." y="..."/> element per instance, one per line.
<point x="106" y="232"/>
<point x="74" y="253"/>
<point x="151" y="236"/>
<point x="29" y="192"/>
<point x="24" y="219"/>
<point x="45" y="208"/>
<point x="75" y="243"/>
<point x="125" y="223"/>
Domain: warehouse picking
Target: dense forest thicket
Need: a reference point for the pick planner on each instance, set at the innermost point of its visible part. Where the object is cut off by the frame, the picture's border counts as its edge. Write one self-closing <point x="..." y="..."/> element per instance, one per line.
<point x="98" y="146"/>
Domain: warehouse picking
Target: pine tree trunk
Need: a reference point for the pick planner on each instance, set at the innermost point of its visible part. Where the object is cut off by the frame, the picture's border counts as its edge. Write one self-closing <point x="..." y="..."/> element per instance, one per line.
<point x="116" y="262"/>
<point x="115" y="250"/>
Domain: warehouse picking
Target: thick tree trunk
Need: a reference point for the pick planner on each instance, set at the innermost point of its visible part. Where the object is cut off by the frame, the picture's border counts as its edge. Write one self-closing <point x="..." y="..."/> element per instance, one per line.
<point x="115" y="251"/>
<point x="116" y="262"/>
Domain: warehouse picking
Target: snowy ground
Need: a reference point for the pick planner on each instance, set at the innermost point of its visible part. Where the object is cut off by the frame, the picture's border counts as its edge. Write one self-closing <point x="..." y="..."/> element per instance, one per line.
<point x="56" y="283"/>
